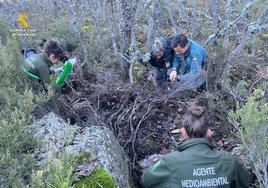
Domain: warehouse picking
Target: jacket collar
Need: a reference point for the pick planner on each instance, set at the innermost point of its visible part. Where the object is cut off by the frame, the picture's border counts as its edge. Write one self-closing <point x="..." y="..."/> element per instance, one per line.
<point x="187" y="53"/>
<point x="193" y="142"/>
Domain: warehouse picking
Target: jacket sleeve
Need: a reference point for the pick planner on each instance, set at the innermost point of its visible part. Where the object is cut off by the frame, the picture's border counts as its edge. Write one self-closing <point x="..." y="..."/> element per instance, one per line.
<point x="157" y="63"/>
<point x="241" y="177"/>
<point x="152" y="61"/>
<point x="44" y="76"/>
<point x="176" y="64"/>
<point x="196" y="62"/>
<point x="156" y="174"/>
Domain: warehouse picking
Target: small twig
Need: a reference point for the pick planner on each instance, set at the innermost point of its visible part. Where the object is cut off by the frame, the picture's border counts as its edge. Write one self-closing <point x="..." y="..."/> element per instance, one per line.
<point x="126" y="101"/>
<point x="95" y="114"/>
<point x="73" y="90"/>
<point x="98" y="106"/>
<point x="254" y="83"/>
<point x="131" y="115"/>
<point x="135" y="133"/>
<point x="230" y="24"/>
<point x="152" y="133"/>
<point x="122" y="116"/>
<point x="98" y="184"/>
<point x="80" y="73"/>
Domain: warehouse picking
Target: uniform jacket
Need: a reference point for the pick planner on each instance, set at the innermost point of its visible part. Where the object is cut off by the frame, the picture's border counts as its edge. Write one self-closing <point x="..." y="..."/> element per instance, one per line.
<point x="38" y="64"/>
<point x="167" y="57"/>
<point x="192" y="61"/>
<point x="196" y="164"/>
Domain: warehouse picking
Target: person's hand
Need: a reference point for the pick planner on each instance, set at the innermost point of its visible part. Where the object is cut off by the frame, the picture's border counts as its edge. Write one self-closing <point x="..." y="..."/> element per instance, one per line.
<point x="56" y="70"/>
<point x="173" y="75"/>
<point x="73" y="60"/>
<point x="146" y="57"/>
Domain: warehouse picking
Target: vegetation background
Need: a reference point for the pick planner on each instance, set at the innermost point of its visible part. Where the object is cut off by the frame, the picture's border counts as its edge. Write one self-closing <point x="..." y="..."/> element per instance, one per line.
<point x="111" y="35"/>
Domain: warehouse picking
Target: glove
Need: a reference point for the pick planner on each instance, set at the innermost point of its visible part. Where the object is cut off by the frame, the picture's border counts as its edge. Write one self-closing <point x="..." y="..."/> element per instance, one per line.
<point x="72" y="60"/>
<point x="55" y="69"/>
<point x="146" y="57"/>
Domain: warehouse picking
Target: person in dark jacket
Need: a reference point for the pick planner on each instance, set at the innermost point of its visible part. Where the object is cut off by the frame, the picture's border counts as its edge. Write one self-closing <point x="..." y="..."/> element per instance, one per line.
<point x="161" y="57"/>
<point x="196" y="163"/>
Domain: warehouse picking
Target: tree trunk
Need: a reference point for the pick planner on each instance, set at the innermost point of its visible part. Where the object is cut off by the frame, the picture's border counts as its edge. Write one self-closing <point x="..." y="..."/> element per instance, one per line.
<point x="127" y="18"/>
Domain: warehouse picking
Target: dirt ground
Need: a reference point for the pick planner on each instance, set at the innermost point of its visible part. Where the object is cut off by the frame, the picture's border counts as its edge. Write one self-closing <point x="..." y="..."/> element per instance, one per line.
<point x="142" y="117"/>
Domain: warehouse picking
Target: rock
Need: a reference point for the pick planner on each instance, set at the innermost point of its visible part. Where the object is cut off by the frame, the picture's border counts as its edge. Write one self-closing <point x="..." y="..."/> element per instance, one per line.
<point x="242" y="155"/>
<point x="54" y="134"/>
<point x="59" y="137"/>
<point x="100" y="142"/>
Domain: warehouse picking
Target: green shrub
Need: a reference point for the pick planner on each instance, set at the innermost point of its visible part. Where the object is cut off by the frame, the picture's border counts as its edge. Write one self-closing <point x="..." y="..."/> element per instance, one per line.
<point x="16" y="145"/>
<point x="4" y="31"/>
<point x="17" y="101"/>
<point x="253" y="118"/>
<point x="60" y="173"/>
<point x="10" y="61"/>
<point x="56" y="173"/>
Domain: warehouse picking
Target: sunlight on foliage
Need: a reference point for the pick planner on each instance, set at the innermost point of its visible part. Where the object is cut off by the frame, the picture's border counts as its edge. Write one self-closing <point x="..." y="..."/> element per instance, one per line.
<point x="253" y="118"/>
<point x="17" y="101"/>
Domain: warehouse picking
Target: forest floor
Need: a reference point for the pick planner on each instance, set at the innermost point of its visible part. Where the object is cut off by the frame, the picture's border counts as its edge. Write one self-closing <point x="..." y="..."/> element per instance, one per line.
<point x="143" y="118"/>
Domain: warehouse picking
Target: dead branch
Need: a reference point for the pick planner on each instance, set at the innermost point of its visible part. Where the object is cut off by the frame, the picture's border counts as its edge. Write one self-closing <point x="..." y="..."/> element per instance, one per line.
<point x="134" y="135"/>
<point x="135" y="107"/>
<point x="231" y="24"/>
<point x="123" y="105"/>
<point x="252" y="30"/>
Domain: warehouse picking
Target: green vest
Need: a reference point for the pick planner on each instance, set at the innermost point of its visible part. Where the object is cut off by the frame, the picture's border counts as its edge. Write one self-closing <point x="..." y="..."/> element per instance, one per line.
<point x="196" y="164"/>
<point x="37" y="66"/>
